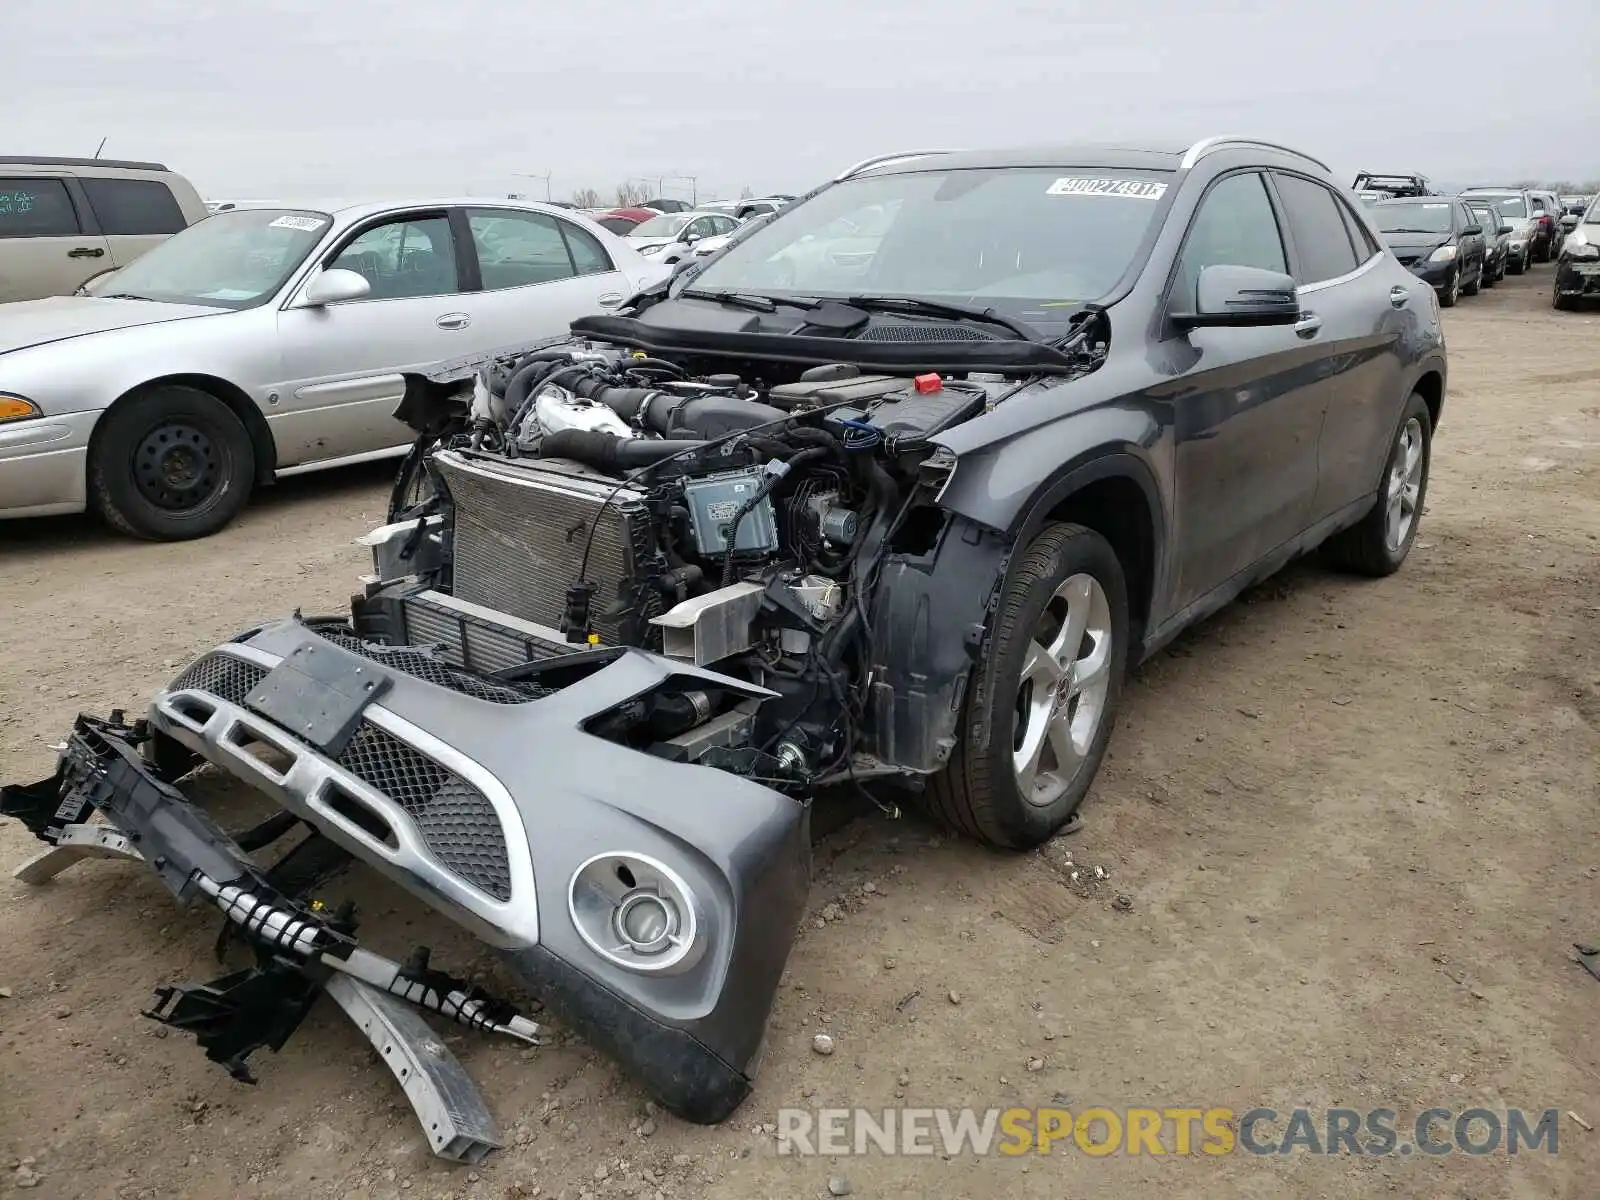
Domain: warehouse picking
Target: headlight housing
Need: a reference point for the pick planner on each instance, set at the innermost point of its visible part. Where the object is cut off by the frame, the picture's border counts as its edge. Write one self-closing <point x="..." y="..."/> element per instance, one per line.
<point x="16" y="408"/>
<point x="1443" y="254"/>
<point x="1578" y="246"/>
<point x="656" y="249"/>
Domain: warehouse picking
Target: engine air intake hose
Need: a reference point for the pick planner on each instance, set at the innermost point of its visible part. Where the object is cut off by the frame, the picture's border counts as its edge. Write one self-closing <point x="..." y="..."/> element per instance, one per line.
<point x="607" y="452"/>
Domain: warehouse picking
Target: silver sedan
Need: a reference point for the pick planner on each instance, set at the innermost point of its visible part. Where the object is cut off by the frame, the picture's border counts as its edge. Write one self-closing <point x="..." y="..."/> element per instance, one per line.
<point x="264" y="341"/>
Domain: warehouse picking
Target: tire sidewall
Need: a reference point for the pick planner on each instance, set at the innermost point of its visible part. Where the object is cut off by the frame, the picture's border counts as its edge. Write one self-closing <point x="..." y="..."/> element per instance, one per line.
<point x="991" y="726"/>
<point x="116" y="495"/>
<point x="1418" y="408"/>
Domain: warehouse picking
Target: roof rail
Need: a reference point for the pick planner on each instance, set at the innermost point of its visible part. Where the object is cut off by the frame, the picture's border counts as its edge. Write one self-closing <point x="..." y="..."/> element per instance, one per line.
<point x="880" y="160"/>
<point x="1206" y="145"/>
<point x="23" y="160"/>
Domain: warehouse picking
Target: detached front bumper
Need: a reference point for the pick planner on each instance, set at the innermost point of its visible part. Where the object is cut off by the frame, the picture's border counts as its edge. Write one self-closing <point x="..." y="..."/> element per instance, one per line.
<point x="489" y="802"/>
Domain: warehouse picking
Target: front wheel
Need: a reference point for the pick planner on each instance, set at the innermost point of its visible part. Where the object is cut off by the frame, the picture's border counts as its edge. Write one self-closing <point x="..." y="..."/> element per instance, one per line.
<point x="1517" y="265"/>
<point x="1044" y="702"/>
<point x="1452" y="291"/>
<point x="1380" y="541"/>
<point x="1563" y="303"/>
<point x="169" y="464"/>
<point x="1476" y="286"/>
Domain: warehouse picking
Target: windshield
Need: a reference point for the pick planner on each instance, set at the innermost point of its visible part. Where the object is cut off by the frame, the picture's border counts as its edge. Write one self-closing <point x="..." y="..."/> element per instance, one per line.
<point x="666" y="225"/>
<point x="235" y="259"/>
<point x="1509" y="206"/>
<point x="1033" y="243"/>
<point x="1401" y="217"/>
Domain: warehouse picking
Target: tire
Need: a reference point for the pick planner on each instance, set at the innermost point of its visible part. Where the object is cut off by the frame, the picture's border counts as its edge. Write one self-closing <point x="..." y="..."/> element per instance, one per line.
<point x="1490" y="275"/>
<point x="1452" y="290"/>
<point x="1020" y="694"/>
<point x="1517" y="266"/>
<point x="1558" y="301"/>
<point x="1367" y="547"/>
<point x="169" y="464"/>
<point x="1476" y="286"/>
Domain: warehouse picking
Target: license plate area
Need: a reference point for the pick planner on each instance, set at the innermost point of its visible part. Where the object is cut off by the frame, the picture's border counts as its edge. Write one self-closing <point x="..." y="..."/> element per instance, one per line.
<point x="318" y="693"/>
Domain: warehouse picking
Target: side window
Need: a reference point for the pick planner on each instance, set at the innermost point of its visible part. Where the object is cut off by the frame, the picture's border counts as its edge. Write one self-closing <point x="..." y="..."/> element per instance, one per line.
<point x="516" y="249"/>
<point x="1320" y="238"/>
<point x="589" y="257"/>
<point x="1366" y="245"/>
<point x="724" y="224"/>
<point x="131" y="207"/>
<point x="1235" y="226"/>
<point x="404" y="258"/>
<point x="32" y="208"/>
<point x="700" y="227"/>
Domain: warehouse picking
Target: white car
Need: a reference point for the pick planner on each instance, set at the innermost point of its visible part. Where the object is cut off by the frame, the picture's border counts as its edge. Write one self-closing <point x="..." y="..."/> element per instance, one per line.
<point x="262" y="341"/>
<point x="672" y="237"/>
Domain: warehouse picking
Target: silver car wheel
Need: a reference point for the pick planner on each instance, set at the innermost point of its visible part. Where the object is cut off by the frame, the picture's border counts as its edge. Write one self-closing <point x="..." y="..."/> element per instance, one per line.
<point x="1061" y="700"/>
<point x="1404" y="486"/>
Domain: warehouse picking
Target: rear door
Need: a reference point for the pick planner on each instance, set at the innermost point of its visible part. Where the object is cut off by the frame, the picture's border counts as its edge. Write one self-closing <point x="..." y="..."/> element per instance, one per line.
<point x="535" y="274"/>
<point x="47" y="247"/>
<point x="1361" y="305"/>
<point x="1246" y="402"/>
<point x="134" y="214"/>
<point x="342" y="363"/>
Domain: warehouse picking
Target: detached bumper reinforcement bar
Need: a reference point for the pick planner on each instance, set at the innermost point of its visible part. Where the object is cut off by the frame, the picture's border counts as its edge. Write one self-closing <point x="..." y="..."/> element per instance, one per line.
<point x="300" y="952"/>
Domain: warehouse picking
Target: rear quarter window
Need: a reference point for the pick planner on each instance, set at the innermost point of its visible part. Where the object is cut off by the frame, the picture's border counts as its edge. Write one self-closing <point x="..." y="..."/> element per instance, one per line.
<point x="31" y="208"/>
<point x="134" y="207"/>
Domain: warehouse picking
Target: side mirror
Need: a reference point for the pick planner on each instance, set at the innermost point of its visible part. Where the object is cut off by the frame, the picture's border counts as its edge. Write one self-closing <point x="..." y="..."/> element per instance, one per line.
<point x="333" y="287"/>
<point x="1506" y="229"/>
<point x="1227" y="296"/>
<point x="1472" y="231"/>
<point x="690" y="239"/>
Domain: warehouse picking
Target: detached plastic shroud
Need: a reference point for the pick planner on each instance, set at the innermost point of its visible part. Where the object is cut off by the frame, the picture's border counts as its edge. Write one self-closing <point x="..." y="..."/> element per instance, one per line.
<point x="733" y="855"/>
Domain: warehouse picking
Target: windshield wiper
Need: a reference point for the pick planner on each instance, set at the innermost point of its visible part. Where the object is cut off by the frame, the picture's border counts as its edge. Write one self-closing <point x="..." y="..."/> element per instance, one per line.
<point x="125" y="296"/>
<point x="751" y="300"/>
<point x="1403" y="229"/>
<point x="939" y="308"/>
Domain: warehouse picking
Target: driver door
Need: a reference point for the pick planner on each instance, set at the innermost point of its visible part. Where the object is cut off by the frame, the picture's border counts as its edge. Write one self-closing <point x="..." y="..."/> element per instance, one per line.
<point x="343" y="363"/>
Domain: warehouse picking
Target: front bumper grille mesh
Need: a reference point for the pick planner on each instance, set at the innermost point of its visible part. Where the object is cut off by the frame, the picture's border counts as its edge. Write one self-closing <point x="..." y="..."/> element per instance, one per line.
<point x="412" y="661"/>
<point x="456" y="821"/>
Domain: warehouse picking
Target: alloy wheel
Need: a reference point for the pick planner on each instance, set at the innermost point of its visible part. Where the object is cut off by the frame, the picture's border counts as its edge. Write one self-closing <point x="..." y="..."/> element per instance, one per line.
<point x="1061" y="700"/>
<point x="1403" y="487"/>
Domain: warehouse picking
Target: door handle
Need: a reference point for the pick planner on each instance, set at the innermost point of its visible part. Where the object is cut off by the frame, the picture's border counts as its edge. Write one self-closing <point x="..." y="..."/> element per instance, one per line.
<point x="1398" y="296"/>
<point x="608" y="299"/>
<point x="87" y="252"/>
<point x="1307" y="325"/>
<point x="453" y="321"/>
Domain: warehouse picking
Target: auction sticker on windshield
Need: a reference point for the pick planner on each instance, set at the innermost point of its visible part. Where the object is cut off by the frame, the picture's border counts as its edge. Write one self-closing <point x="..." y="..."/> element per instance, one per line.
<point x="303" y="224"/>
<point x="1134" y="189"/>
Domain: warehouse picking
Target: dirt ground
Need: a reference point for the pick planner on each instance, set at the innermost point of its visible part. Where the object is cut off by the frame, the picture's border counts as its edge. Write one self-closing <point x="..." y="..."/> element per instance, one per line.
<point x="1355" y="823"/>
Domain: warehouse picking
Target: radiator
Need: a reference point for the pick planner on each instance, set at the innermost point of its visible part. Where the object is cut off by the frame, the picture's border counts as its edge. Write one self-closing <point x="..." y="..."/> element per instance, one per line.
<point x="520" y="531"/>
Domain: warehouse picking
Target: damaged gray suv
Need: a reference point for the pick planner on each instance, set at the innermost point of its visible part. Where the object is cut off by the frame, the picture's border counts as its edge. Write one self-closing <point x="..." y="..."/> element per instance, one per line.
<point x="893" y="490"/>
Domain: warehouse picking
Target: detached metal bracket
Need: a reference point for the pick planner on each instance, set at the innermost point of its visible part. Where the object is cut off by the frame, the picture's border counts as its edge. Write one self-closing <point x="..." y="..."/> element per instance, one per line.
<point x="452" y="1113"/>
<point x="75" y="843"/>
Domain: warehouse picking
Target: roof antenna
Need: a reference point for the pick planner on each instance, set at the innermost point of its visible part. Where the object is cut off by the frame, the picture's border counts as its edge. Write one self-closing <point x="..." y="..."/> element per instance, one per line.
<point x="101" y="146"/>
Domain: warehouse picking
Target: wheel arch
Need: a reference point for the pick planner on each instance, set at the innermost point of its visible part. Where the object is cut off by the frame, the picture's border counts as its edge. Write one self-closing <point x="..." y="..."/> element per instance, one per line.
<point x="1115" y="494"/>
<point x="230" y="394"/>
<point x="1430" y="384"/>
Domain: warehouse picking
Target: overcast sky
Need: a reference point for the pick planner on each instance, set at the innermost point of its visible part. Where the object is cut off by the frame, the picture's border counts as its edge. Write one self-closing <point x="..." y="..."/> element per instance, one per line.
<point x="293" y="98"/>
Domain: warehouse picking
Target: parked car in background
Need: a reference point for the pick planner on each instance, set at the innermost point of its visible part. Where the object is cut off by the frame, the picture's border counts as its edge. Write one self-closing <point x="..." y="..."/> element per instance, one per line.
<point x="1394" y="185"/>
<point x="66" y="220"/>
<point x="1547" y="215"/>
<point x="662" y="205"/>
<point x="672" y="237"/>
<point x="1371" y="195"/>
<point x="1496" y="240"/>
<point x="1437" y="239"/>
<point x="1578" y="266"/>
<point x="621" y="221"/>
<point x="1516" y="209"/>
<point x="261" y="341"/>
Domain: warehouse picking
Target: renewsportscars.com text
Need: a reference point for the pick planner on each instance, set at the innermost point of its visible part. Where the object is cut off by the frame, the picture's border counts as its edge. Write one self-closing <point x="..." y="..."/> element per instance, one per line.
<point x="1213" y="1132"/>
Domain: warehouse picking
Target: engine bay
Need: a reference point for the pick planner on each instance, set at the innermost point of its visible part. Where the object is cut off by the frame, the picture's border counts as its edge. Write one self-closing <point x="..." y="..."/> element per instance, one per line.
<point x="609" y="498"/>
